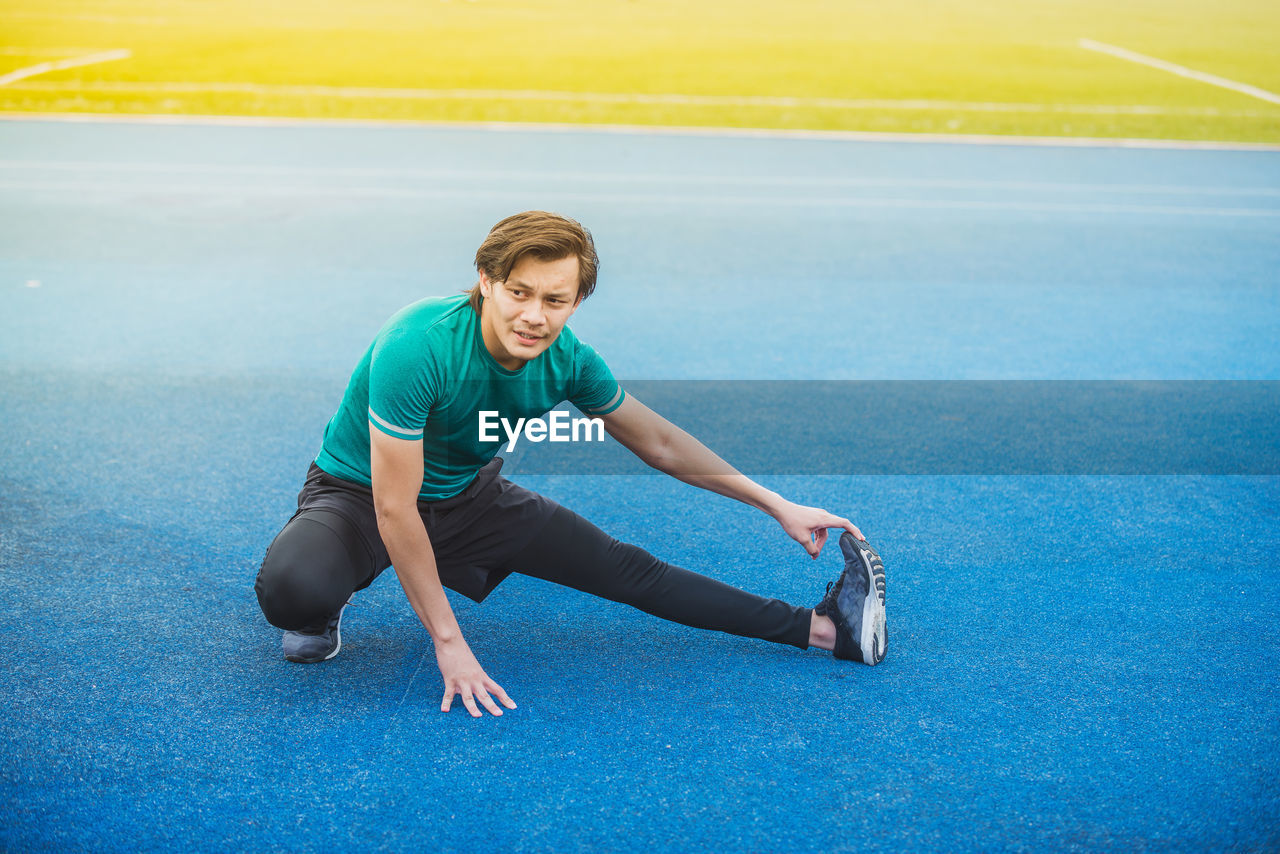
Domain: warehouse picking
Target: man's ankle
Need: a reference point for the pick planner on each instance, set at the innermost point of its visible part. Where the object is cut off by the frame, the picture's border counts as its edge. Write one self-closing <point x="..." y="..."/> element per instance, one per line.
<point x="822" y="632"/>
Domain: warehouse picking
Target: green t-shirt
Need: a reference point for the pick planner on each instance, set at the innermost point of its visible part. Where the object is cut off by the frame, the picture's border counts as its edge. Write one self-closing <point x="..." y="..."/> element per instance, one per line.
<point x="427" y="375"/>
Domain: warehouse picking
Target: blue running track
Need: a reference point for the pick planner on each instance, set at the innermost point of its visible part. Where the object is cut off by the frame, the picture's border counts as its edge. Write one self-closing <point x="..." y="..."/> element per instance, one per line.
<point x="1080" y="661"/>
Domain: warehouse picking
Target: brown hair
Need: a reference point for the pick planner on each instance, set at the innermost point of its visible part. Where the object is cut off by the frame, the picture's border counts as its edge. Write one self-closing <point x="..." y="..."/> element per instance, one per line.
<point x="542" y="235"/>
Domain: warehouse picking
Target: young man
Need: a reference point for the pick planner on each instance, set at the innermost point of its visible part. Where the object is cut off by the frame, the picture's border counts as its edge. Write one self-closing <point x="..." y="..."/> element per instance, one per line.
<point x="403" y="478"/>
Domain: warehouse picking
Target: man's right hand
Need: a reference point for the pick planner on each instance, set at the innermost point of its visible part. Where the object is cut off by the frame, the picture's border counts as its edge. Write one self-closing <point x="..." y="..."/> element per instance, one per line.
<point x="397" y="479"/>
<point x="463" y="675"/>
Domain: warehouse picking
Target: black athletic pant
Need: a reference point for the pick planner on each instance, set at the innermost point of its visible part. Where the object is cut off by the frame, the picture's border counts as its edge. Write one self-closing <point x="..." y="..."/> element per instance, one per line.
<point x="331" y="548"/>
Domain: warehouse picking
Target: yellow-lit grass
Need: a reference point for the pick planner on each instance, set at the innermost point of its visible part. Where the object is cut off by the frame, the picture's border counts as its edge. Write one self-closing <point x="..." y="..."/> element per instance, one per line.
<point x="950" y="54"/>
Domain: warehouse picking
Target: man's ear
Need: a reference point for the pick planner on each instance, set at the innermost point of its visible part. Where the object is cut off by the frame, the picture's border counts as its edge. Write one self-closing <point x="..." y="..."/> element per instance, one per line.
<point x="486" y="285"/>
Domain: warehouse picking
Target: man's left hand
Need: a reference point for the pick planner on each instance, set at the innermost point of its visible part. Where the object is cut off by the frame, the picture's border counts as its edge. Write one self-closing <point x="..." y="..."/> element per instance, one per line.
<point x="808" y="526"/>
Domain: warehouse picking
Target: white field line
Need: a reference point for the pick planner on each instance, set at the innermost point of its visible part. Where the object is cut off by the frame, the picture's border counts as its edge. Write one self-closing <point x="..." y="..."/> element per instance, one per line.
<point x="628" y="98"/>
<point x="1180" y="70"/>
<point x="337" y="173"/>
<point x="95" y="19"/>
<point x="57" y="52"/>
<point x="207" y="120"/>
<point x="802" y="201"/>
<point x="60" y="64"/>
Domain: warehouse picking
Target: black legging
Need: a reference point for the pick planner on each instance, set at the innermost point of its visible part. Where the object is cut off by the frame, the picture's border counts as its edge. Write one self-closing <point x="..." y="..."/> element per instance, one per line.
<point x="320" y="559"/>
<point x="573" y="552"/>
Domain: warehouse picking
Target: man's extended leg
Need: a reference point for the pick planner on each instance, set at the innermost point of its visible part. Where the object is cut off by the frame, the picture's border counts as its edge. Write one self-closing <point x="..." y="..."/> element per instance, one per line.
<point x="571" y="551"/>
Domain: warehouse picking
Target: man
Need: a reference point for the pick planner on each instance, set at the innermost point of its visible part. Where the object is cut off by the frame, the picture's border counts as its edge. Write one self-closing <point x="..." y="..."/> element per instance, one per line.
<point x="403" y="478"/>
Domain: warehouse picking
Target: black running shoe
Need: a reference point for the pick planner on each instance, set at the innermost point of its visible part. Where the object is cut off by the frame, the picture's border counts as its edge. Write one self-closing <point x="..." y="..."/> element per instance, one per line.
<point x="855" y="603"/>
<point x="316" y="643"/>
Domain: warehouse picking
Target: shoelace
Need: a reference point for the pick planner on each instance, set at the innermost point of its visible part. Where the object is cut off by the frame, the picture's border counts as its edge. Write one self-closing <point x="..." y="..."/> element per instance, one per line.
<point x="829" y="599"/>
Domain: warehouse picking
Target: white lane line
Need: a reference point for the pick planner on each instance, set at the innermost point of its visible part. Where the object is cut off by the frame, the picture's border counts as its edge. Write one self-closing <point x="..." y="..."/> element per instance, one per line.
<point x="383" y="193"/>
<point x="59" y="65"/>
<point x="336" y="173"/>
<point x="712" y="132"/>
<point x="632" y="98"/>
<point x="1180" y="70"/>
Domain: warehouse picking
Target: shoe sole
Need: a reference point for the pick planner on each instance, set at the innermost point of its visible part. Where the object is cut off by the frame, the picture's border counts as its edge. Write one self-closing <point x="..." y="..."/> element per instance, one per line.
<point x="874" y="642"/>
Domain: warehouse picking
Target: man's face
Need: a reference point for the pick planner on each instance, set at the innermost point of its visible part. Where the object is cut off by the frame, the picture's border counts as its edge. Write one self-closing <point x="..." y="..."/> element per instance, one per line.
<point x="523" y="316"/>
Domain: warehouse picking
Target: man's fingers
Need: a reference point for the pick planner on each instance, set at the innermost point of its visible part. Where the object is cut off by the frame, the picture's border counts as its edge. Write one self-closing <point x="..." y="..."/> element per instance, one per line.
<point x="479" y="693"/>
<point x="821" y="539"/>
<point x="839" y="522"/>
<point x="489" y="704"/>
<point x="822" y="521"/>
<point x="497" y="691"/>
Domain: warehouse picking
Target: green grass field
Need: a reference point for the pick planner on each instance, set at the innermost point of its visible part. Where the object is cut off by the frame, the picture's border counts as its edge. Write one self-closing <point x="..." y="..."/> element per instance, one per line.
<point x="992" y="67"/>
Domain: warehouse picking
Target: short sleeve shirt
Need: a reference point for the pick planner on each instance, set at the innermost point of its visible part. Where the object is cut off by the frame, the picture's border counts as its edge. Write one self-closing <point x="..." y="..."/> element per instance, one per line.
<point x="427" y="375"/>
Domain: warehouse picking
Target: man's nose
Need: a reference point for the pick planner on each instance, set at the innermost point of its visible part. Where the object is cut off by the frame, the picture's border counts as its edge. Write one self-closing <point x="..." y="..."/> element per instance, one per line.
<point x="533" y="314"/>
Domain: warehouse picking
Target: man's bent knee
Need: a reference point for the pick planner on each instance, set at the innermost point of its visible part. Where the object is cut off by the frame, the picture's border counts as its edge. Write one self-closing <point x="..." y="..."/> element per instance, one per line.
<point x="291" y="601"/>
<point x="306" y="576"/>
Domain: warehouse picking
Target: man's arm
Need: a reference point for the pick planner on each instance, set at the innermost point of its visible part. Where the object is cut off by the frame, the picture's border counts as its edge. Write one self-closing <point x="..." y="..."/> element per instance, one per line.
<point x="667" y="448"/>
<point x="397" y="479"/>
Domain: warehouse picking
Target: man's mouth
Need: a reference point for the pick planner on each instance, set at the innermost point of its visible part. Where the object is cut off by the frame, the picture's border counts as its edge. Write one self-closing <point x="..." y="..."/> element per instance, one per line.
<point x="526" y="337"/>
